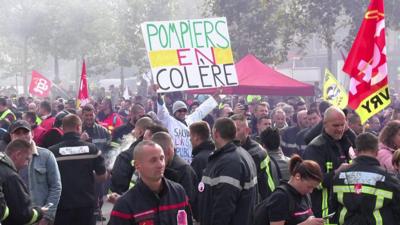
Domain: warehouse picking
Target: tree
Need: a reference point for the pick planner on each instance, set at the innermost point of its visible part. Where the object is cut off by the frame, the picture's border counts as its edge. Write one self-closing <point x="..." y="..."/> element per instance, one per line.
<point x="266" y="29"/>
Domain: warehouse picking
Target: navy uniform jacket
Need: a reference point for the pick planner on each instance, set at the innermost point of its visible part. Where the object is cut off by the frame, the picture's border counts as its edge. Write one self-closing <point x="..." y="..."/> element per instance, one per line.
<point x="76" y="161"/>
<point x="228" y="189"/>
<point x="140" y="206"/>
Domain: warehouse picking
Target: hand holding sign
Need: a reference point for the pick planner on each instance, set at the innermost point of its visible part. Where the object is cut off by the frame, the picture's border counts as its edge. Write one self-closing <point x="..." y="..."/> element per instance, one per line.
<point x="217" y="94"/>
<point x="155" y="87"/>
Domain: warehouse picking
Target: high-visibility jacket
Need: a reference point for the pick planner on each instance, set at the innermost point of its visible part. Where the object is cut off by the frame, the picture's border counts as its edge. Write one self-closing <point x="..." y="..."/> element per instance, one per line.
<point x="365" y="193"/>
<point x="268" y="173"/>
<point x="16" y="195"/>
<point x="8" y="114"/>
<point x="329" y="154"/>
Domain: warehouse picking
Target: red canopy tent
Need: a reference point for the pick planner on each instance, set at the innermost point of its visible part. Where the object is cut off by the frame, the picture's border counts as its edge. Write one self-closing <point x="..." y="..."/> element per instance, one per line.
<point x="255" y="78"/>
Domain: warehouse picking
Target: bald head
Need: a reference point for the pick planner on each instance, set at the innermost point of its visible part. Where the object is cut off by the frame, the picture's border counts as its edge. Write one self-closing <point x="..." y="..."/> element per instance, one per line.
<point x="334" y="122"/>
<point x="333" y="112"/>
<point x="302" y="119"/>
<point x="140" y="149"/>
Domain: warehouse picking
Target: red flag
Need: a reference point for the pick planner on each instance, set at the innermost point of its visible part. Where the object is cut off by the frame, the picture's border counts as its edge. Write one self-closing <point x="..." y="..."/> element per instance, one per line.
<point x="40" y="86"/>
<point x="366" y="65"/>
<point x="83" y="95"/>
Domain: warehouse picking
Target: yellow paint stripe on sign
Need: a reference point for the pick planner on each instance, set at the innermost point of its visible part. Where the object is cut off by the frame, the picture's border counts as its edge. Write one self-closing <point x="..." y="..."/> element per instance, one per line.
<point x="163" y="58"/>
<point x="223" y="55"/>
<point x="373" y="104"/>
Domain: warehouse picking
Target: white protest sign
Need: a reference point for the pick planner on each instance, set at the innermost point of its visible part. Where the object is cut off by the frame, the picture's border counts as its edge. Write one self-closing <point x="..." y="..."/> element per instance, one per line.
<point x="190" y="54"/>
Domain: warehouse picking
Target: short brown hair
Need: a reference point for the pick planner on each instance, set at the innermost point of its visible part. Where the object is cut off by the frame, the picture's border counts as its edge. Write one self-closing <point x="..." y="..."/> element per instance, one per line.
<point x="201" y="129"/>
<point x="88" y="108"/>
<point x="18" y="145"/>
<point x="70" y="121"/>
<point x="144" y="123"/>
<point x="388" y="133"/>
<point x="163" y="139"/>
<point x="226" y="128"/>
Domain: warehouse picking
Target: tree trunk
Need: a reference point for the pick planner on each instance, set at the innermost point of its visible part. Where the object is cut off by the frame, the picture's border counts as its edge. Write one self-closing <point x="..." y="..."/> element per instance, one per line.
<point x="25" y="67"/>
<point x="330" y="63"/>
<point x="122" y="88"/>
<point x="78" y="76"/>
<point x="56" y="70"/>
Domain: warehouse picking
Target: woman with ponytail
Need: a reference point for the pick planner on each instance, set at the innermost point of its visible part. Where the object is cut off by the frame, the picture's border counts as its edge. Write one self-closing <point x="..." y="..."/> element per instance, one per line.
<point x="290" y="203"/>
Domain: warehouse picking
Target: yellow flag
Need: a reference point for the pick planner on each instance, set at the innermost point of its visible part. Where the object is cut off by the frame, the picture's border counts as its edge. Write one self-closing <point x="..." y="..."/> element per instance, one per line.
<point x="334" y="93"/>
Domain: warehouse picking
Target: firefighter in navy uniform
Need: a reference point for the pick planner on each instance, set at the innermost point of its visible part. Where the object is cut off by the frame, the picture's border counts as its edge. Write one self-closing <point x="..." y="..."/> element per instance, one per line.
<point x="80" y="164"/>
<point x="331" y="151"/>
<point x="228" y="188"/>
<point x="16" y="194"/>
<point x="153" y="200"/>
<point x="268" y="173"/>
<point x="365" y="193"/>
<point x="4" y="210"/>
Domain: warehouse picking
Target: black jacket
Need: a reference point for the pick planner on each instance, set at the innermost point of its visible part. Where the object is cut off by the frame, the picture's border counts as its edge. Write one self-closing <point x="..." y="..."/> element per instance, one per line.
<point x="16" y="195"/>
<point x="76" y="161"/>
<point x="142" y="206"/>
<point x="123" y="170"/>
<point x="316" y="130"/>
<point x="99" y="136"/>
<point x="259" y="155"/>
<point x="300" y="143"/>
<point x="288" y="141"/>
<point x="313" y="132"/>
<point x="329" y="154"/>
<point x="120" y="131"/>
<point x="228" y="189"/>
<point x="180" y="172"/>
<point x="368" y="193"/>
<point x="200" y="156"/>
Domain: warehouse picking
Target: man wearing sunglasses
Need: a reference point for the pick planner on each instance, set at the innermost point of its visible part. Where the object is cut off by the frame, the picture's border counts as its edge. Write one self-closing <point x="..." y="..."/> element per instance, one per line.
<point x="177" y="123"/>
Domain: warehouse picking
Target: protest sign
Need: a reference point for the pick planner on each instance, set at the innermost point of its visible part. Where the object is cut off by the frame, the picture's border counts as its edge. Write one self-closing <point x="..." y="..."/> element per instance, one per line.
<point x="190" y="54"/>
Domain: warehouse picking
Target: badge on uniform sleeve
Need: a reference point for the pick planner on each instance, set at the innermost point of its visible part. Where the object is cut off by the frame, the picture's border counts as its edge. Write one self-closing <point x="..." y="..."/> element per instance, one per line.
<point x="200" y="187"/>
<point x="181" y="217"/>
<point x="358" y="188"/>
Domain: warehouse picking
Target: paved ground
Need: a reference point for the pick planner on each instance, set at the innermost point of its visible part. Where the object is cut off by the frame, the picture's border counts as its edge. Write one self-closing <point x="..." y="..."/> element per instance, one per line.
<point x="107" y="207"/>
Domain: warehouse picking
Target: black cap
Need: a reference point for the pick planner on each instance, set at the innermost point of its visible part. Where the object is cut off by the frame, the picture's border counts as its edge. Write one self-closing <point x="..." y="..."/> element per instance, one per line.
<point x="19" y="124"/>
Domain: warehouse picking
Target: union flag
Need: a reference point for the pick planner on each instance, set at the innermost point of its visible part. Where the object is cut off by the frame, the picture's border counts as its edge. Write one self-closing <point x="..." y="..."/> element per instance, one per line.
<point x="366" y="65"/>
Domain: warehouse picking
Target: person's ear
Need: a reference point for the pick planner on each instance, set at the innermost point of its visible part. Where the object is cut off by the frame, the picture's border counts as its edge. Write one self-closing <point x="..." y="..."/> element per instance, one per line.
<point x="135" y="164"/>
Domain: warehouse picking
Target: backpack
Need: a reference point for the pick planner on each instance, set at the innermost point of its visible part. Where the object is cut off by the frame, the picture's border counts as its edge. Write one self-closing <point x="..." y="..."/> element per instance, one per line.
<point x="261" y="210"/>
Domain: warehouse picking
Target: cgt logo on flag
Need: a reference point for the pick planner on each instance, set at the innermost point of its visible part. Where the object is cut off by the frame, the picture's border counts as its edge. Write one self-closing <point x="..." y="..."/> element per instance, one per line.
<point x="367" y="65"/>
<point x="40" y="86"/>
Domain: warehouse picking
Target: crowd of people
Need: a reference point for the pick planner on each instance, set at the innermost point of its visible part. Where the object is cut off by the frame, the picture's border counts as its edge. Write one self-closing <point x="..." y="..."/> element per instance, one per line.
<point x="215" y="160"/>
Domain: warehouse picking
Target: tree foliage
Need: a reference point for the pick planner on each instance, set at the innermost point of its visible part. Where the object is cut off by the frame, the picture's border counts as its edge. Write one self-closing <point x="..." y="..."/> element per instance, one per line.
<point x="267" y="29"/>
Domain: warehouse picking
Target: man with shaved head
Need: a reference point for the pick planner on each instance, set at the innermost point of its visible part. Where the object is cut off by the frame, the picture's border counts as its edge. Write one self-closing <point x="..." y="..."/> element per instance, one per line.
<point x="331" y="151"/>
<point x="152" y="191"/>
<point x="177" y="169"/>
